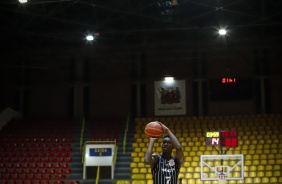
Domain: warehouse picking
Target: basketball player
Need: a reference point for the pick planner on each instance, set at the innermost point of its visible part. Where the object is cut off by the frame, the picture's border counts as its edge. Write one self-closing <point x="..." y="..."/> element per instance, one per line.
<point x="165" y="167"/>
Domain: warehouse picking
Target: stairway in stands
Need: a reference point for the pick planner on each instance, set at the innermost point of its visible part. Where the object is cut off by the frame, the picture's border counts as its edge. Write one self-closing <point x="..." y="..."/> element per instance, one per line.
<point x="97" y="132"/>
<point x="122" y="169"/>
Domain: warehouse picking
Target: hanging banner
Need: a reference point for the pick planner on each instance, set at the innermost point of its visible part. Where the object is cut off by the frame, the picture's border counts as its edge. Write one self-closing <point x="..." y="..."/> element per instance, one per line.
<point x="170" y="98"/>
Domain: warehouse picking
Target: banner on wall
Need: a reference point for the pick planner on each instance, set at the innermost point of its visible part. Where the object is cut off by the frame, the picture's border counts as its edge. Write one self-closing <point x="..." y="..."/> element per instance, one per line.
<point x="170" y="98"/>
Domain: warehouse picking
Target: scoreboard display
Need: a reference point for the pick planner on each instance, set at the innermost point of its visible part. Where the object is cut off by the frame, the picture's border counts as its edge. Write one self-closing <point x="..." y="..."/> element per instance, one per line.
<point x="222" y="138"/>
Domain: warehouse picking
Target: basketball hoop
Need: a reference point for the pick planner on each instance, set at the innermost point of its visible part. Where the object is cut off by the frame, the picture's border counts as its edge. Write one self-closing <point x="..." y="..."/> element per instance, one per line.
<point x="221" y="177"/>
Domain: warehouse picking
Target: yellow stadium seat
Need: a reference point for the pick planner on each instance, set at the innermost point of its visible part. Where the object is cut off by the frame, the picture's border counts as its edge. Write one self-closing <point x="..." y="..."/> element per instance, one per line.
<point x="268" y="173"/>
<point x="252" y="174"/>
<point x="270" y="156"/>
<point x="134" y="145"/>
<point x="251" y="152"/>
<point x="263" y="156"/>
<point x="183" y="181"/>
<point x="150" y="182"/>
<point x="192" y="153"/>
<point x="182" y="170"/>
<point x="279" y="161"/>
<point x="271" y="161"/>
<point x="181" y="175"/>
<point x="199" y="153"/>
<point x="260" y="174"/>
<point x="256" y="162"/>
<point x="255" y="157"/>
<point x="276" y="167"/>
<point x="137" y="149"/>
<point x="135" y="170"/>
<point x="136" y="159"/>
<point x="197" y="169"/>
<point x="186" y="164"/>
<point x="257" y="180"/>
<point x="133" y="164"/>
<point x="280" y="179"/>
<point x="248" y="162"/>
<point x="195" y="164"/>
<point x="138" y="182"/>
<point x="268" y="167"/>
<point x="141" y="164"/>
<point x="231" y="181"/>
<point x="265" y="180"/>
<point x="278" y="156"/>
<point x="260" y="168"/>
<point x="263" y="162"/>
<point x="143" y="170"/>
<point x="277" y="173"/>
<point x="123" y="182"/>
<point x="248" y="180"/>
<point x="190" y="169"/>
<point x="195" y="159"/>
<point x="188" y="175"/>
<point x="240" y="181"/>
<point x="138" y="176"/>
<point x="190" y="181"/>
<point x="196" y="175"/>
<point x="198" y="181"/>
<point x="253" y="168"/>
<point x="148" y="176"/>
<point x="273" y="180"/>
<point x="249" y="157"/>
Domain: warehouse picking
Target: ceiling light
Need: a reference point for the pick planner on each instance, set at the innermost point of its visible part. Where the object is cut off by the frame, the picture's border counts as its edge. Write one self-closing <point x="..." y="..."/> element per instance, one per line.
<point x="23" y="1"/>
<point x="222" y="32"/>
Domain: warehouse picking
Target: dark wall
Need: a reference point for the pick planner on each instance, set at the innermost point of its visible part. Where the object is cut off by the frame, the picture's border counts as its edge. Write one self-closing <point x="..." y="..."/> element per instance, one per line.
<point x="41" y="83"/>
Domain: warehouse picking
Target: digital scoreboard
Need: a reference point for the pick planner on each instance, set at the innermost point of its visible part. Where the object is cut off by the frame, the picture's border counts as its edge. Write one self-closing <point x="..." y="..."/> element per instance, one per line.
<point x="222" y="138"/>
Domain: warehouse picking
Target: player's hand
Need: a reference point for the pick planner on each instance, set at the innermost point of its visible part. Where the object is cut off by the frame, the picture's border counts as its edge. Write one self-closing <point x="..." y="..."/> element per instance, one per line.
<point x="153" y="139"/>
<point x="164" y="127"/>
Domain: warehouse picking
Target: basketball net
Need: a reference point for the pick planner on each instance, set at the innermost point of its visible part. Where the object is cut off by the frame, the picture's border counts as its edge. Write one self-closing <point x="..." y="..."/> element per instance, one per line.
<point x="221" y="178"/>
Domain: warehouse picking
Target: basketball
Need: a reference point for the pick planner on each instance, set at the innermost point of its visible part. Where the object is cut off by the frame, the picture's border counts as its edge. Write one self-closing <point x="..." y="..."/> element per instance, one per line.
<point x="154" y="129"/>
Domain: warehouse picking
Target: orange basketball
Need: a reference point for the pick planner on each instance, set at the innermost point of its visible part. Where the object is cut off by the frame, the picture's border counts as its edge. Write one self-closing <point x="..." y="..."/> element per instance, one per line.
<point x="154" y="129"/>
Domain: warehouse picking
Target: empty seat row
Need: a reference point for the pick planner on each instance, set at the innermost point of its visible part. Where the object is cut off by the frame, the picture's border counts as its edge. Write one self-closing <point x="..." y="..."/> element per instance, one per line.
<point x="32" y="176"/>
<point x="43" y="181"/>
<point x="33" y="165"/>
<point x="37" y="160"/>
<point x="34" y="154"/>
<point x="20" y="171"/>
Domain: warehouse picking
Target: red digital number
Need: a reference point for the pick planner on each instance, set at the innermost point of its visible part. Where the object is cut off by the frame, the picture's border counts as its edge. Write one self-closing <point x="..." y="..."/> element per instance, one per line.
<point x="231" y="142"/>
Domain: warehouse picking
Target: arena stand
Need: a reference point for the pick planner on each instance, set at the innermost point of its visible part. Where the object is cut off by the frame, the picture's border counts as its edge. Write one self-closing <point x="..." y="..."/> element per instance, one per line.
<point x="36" y="152"/>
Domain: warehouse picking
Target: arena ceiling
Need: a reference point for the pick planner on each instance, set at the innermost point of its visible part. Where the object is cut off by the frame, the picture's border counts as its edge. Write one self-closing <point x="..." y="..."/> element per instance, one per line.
<point x="66" y="22"/>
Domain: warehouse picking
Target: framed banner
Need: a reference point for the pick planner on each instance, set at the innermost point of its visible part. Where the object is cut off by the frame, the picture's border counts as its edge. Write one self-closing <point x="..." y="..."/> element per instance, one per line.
<point x="170" y="98"/>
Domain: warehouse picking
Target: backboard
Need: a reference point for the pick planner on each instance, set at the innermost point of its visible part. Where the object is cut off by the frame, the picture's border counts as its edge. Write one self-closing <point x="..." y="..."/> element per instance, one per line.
<point x="212" y="166"/>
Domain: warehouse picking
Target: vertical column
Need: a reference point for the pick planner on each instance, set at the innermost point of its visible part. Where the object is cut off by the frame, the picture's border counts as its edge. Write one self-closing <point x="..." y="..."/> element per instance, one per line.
<point x="78" y="89"/>
<point x="261" y="80"/>
<point x="138" y="87"/>
<point x="199" y="66"/>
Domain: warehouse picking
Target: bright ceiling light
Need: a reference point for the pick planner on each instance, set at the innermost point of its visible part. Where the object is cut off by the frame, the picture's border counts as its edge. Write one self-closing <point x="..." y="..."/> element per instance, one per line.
<point x="169" y="79"/>
<point x="23" y="1"/>
<point x="222" y="32"/>
<point x="89" y="38"/>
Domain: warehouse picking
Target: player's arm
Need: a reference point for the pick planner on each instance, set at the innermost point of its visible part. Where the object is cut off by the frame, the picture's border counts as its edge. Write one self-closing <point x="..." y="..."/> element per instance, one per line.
<point x="176" y="144"/>
<point x="149" y="158"/>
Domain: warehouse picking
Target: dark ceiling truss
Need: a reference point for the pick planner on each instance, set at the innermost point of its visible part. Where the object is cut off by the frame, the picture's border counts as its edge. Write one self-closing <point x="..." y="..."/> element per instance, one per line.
<point x="68" y="21"/>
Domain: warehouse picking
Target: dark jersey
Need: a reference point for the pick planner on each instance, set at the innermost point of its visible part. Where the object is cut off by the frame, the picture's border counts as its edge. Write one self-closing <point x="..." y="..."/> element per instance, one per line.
<point x="165" y="171"/>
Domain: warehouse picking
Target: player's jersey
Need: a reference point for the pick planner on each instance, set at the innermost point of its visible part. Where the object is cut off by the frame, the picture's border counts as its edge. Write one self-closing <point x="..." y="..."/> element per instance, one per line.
<point x="165" y="171"/>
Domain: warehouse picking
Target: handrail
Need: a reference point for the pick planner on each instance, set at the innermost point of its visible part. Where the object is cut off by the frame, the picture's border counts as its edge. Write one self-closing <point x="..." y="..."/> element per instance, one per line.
<point x="81" y="134"/>
<point x="98" y="175"/>
<point x="125" y="135"/>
